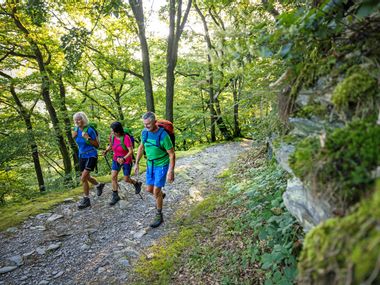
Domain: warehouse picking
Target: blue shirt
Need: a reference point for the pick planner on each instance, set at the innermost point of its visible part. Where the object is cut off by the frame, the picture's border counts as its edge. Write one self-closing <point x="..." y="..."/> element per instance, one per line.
<point x="86" y="150"/>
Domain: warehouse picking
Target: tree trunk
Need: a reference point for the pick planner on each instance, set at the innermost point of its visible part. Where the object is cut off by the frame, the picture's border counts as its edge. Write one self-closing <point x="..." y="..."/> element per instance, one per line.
<point x="138" y="12"/>
<point x="33" y="144"/>
<point x="236" y="94"/>
<point x="176" y="25"/>
<point x="220" y="122"/>
<point x="45" y="92"/>
<point x="215" y="111"/>
<point x="67" y="121"/>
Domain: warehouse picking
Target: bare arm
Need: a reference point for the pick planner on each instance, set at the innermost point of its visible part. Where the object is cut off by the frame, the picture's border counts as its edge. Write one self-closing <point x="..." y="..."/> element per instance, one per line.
<point x="140" y="152"/>
<point x="170" y="175"/>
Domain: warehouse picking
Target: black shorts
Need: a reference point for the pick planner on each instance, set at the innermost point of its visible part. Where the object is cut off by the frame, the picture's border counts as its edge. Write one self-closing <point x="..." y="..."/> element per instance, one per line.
<point x="88" y="163"/>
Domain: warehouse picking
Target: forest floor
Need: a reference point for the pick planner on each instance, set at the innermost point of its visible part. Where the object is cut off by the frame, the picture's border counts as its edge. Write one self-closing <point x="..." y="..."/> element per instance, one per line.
<point x="101" y="244"/>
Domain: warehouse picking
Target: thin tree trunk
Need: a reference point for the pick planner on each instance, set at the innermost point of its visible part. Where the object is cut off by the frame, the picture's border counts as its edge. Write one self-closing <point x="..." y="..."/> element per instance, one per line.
<point x="176" y="25"/>
<point x="138" y="12"/>
<point x="215" y="111"/>
<point x="220" y="122"/>
<point x="67" y="121"/>
<point x="33" y="144"/>
<point x="236" y="94"/>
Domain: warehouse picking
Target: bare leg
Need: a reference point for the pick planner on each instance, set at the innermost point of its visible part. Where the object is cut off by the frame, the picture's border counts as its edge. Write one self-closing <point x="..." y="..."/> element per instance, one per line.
<point x="114" y="174"/>
<point x="158" y="195"/>
<point x="84" y="178"/>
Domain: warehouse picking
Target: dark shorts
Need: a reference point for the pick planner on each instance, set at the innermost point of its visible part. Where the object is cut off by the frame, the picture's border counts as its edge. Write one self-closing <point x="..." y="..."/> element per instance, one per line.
<point x="127" y="167"/>
<point x="88" y="163"/>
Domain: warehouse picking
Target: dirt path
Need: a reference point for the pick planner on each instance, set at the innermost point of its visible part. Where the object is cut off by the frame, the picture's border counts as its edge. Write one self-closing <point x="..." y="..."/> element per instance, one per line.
<point x="99" y="245"/>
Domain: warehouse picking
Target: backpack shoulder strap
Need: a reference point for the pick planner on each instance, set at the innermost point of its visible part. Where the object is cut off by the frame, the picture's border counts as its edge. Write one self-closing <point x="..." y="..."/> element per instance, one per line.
<point x="144" y="136"/>
<point x="159" y="135"/>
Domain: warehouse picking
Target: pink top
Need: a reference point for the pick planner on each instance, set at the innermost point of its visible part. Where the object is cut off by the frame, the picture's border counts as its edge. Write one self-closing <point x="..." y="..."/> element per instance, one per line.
<point x="118" y="150"/>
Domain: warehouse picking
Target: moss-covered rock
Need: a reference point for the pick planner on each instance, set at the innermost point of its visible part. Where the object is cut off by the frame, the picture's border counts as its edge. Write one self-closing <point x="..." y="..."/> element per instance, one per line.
<point x="357" y="93"/>
<point x="344" y="250"/>
<point x="342" y="168"/>
<point x="302" y="160"/>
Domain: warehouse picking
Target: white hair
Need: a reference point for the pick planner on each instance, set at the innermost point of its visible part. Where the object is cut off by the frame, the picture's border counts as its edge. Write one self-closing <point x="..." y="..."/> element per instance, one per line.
<point x="81" y="115"/>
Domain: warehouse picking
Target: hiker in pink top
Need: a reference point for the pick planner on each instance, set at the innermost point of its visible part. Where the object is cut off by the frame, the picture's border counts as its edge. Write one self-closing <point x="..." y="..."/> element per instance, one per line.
<point x="122" y="148"/>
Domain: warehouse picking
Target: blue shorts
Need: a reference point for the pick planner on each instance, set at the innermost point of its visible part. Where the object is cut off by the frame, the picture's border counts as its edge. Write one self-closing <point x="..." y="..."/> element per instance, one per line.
<point x="156" y="175"/>
<point x="126" y="167"/>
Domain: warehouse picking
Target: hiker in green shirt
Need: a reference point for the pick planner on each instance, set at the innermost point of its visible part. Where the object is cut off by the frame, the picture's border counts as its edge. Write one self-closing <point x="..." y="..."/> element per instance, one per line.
<point x="160" y="161"/>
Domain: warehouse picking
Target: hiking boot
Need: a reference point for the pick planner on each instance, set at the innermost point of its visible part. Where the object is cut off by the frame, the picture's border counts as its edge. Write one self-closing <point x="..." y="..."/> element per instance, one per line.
<point x="137" y="187"/>
<point x="158" y="220"/>
<point x="115" y="198"/>
<point x="99" y="189"/>
<point x="84" y="203"/>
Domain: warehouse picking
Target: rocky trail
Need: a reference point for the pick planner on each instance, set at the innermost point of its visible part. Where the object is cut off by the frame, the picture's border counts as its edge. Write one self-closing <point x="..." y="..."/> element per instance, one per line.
<point x="99" y="245"/>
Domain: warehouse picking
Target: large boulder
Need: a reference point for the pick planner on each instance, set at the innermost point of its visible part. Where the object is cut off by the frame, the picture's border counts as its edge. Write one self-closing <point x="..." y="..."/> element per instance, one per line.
<point x="306" y="208"/>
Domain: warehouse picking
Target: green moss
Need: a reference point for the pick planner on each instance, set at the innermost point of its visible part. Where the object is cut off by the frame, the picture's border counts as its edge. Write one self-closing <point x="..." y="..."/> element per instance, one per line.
<point x="303" y="159"/>
<point x="343" y="247"/>
<point x="356" y="91"/>
<point x="351" y="154"/>
<point x="310" y="111"/>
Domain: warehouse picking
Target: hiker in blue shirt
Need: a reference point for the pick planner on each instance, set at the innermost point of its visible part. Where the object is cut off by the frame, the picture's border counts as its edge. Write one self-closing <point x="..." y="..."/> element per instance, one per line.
<point x="87" y="141"/>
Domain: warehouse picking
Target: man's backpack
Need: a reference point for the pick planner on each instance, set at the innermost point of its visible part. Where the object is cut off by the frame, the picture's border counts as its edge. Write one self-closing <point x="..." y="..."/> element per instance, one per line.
<point x="127" y="132"/>
<point x="164" y="125"/>
<point x="85" y="130"/>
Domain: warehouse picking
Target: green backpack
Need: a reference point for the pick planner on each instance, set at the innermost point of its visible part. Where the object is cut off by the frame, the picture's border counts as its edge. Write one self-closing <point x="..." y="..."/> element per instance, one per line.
<point x="85" y="130"/>
<point x="127" y="132"/>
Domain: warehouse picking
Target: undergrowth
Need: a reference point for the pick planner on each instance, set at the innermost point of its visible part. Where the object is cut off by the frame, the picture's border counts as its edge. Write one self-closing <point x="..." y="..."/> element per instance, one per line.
<point x="243" y="235"/>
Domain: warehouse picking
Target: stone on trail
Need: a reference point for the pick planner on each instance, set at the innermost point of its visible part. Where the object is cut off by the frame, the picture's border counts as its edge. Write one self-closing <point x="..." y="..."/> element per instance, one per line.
<point x="125" y="262"/>
<point x="59" y="274"/>
<point x="69" y="200"/>
<point x="16" y="259"/>
<point x="123" y="204"/>
<point x="41" y="250"/>
<point x="12" y="230"/>
<point x="7" y="269"/>
<point x="43" y="282"/>
<point x="43" y="216"/>
<point x="195" y="194"/>
<point x="54" y="246"/>
<point x="139" y="234"/>
<point x="54" y="217"/>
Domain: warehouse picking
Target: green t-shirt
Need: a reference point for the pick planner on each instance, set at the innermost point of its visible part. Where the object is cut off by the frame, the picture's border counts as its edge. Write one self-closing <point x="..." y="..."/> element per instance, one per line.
<point x="158" y="154"/>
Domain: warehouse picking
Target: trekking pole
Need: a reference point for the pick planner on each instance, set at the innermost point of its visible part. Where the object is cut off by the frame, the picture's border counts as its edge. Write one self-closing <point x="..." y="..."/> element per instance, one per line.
<point x="108" y="163"/>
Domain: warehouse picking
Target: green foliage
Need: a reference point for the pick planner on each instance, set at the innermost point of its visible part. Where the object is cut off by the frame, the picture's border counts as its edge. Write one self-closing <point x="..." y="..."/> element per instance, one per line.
<point x="73" y="45"/>
<point x="37" y="10"/>
<point x="356" y="93"/>
<point x="343" y="167"/>
<point x="273" y="231"/>
<point x="9" y="182"/>
<point x="343" y="248"/>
